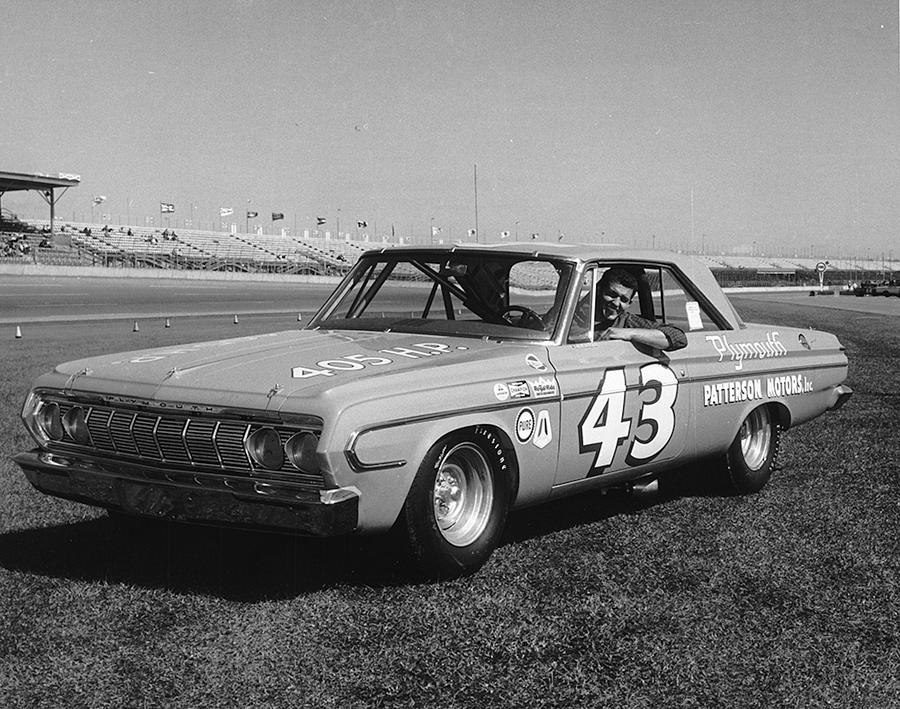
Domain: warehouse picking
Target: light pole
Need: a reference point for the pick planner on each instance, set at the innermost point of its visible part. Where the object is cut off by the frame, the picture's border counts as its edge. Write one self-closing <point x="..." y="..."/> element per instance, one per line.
<point x="517" y="229"/>
<point x="431" y="231"/>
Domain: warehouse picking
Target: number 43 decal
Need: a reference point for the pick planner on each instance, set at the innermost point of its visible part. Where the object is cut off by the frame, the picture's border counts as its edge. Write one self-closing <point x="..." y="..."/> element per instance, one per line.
<point x="604" y="425"/>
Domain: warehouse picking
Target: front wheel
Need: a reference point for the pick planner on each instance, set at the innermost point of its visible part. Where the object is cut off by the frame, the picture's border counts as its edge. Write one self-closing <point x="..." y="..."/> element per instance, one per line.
<point x="457" y="505"/>
<point x="751" y="458"/>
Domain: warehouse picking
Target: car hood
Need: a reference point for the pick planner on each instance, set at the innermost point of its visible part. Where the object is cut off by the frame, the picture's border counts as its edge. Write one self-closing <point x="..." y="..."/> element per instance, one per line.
<point x="263" y="371"/>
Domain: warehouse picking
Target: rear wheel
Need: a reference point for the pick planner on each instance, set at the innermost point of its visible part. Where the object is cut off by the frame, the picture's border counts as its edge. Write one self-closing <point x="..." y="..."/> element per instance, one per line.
<point x="751" y="458"/>
<point x="457" y="505"/>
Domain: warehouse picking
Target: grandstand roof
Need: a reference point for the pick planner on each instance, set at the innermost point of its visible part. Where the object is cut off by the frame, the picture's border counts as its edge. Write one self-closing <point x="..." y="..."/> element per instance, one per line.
<point x="46" y="185"/>
<point x="17" y="181"/>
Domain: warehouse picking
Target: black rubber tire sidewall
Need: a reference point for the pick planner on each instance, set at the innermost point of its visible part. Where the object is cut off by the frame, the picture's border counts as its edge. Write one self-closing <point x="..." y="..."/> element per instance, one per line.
<point x="434" y="557"/>
<point x="744" y="480"/>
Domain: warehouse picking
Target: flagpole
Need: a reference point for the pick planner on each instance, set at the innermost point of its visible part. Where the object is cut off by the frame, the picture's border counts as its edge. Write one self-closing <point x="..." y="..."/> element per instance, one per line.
<point x="476" y="203"/>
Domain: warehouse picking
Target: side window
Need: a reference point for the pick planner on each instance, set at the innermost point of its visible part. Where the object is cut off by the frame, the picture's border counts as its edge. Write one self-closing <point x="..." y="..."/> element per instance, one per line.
<point x="581" y="329"/>
<point x="672" y="304"/>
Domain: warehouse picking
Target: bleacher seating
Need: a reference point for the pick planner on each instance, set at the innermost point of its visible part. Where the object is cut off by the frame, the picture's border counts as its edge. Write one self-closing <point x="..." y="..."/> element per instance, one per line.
<point x="196" y="249"/>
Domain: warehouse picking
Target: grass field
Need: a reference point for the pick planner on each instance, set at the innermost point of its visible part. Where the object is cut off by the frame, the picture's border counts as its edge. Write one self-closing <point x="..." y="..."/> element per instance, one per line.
<point x="788" y="598"/>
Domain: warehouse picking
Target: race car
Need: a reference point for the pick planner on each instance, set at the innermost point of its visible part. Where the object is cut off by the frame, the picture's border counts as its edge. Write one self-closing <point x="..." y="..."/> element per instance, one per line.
<point x="436" y="390"/>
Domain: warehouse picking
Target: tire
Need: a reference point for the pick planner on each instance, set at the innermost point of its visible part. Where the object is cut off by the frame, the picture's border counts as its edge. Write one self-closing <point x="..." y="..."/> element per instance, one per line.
<point x="457" y="505"/>
<point x="751" y="458"/>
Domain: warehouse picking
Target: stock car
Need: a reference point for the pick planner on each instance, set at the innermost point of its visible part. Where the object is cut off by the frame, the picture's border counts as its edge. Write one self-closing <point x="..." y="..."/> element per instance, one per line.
<point x="436" y="390"/>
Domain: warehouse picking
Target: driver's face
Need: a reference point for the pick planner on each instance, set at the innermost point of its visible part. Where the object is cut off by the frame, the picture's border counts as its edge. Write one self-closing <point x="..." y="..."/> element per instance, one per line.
<point x="614" y="298"/>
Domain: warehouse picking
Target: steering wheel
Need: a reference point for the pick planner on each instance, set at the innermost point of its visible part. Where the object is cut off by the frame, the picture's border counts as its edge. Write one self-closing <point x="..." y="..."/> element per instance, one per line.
<point x="527" y="317"/>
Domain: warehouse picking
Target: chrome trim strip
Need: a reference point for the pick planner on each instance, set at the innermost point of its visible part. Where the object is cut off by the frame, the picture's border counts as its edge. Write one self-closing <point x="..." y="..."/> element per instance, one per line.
<point x="357" y="465"/>
<point x="184" y="441"/>
<point x="215" y="443"/>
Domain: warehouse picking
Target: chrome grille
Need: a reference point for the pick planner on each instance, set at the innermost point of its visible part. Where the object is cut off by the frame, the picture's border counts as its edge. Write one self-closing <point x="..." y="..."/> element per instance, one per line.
<point x="187" y="440"/>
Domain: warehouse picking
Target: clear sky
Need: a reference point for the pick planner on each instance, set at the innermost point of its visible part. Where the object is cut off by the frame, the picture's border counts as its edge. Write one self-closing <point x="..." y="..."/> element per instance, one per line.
<point x="596" y="120"/>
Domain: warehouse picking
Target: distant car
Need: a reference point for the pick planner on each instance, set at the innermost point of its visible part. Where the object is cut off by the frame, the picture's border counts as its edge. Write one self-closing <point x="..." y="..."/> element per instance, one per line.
<point x="886" y="288"/>
<point x="435" y="390"/>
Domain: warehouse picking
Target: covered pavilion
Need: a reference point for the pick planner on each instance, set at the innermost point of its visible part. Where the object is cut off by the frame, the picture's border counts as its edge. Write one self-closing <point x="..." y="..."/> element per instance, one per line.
<point x="45" y="185"/>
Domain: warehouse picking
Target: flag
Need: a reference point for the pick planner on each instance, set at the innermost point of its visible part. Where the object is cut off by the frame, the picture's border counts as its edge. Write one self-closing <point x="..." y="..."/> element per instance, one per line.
<point x="504" y="234"/>
<point x="277" y="215"/>
<point x="320" y="221"/>
<point x="252" y="215"/>
<point x="166" y="207"/>
<point x="225" y="211"/>
<point x="99" y="198"/>
<point x="435" y="230"/>
<point x="362" y="225"/>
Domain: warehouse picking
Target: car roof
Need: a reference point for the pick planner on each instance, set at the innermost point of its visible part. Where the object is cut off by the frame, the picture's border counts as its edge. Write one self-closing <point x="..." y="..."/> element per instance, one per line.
<point x="567" y="251"/>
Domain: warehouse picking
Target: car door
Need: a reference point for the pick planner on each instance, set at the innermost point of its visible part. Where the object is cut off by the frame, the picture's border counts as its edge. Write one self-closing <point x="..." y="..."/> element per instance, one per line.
<point x="624" y="410"/>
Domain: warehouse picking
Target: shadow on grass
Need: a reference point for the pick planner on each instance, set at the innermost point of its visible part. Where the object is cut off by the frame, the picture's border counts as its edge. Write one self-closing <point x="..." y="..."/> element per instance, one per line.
<point x="232" y="564"/>
<point x="589" y="507"/>
<point x="254" y="566"/>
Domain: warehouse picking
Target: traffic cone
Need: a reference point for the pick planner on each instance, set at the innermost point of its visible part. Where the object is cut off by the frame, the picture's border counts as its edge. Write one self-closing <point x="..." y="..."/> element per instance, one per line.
<point x="136" y="328"/>
<point x="18" y="332"/>
<point x="235" y="320"/>
<point x="168" y="324"/>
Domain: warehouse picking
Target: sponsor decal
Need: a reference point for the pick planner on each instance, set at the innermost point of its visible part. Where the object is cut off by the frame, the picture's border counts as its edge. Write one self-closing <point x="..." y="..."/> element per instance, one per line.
<point x="518" y="390"/>
<point x="524" y="425"/>
<point x="740" y="390"/>
<point x="543" y="387"/>
<point x="501" y="391"/>
<point x="732" y="392"/>
<point x="355" y="362"/>
<point x="740" y="351"/>
<point x="542" y="431"/>
<point x="788" y="385"/>
<point x="532" y="361"/>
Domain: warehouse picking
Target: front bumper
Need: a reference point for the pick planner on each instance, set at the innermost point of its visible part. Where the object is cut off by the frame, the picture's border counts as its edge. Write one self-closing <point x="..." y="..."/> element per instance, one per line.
<point x="200" y="499"/>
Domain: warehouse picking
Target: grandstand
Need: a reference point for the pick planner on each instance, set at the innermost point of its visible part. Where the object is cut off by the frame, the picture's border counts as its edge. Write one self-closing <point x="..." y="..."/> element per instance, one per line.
<point x="194" y="249"/>
<point x="97" y="244"/>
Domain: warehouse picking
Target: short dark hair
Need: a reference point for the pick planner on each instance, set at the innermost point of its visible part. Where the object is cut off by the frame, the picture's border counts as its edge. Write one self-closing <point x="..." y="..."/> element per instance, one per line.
<point x="620" y="276"/>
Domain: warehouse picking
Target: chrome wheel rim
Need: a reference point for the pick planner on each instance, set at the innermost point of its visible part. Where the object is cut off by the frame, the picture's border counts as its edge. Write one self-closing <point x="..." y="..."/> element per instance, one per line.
<point x="463" y="494"/>
<point x="756" y="438"/>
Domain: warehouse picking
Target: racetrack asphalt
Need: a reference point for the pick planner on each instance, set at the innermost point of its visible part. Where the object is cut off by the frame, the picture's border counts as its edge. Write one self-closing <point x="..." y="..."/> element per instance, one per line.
<point x="48" y="299"/>
<point x="29" y="299"/>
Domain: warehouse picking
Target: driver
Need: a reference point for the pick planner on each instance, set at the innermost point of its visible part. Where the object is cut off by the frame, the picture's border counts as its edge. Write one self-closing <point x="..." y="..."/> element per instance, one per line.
<point x="613" y="321"/>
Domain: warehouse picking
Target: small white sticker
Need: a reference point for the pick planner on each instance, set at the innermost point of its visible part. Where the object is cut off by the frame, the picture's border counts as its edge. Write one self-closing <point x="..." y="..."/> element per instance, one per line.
<point x="692" y="308"/>
<point x="543" y="433"/>
<point x="543" y="387"/>
<point x="519" y="390"/>
<point x="501" y="391"/>
<point x="524" y="425"/>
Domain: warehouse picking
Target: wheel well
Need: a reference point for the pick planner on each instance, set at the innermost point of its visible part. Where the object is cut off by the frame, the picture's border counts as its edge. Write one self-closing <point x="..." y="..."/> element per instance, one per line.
<point x="782" y="414"/>
<point x="506" y="452"/>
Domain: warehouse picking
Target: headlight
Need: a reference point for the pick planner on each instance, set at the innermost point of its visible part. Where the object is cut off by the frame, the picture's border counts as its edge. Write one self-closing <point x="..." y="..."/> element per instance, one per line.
<point x="49" y="421"/>
<point x="301" y="452"/>
<point x="264" y="447"/>
<point x="75" y="425"/>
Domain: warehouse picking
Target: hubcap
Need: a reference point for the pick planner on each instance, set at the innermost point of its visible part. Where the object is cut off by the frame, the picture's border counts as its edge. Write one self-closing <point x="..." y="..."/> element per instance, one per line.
<point x="756" y="437"/>
<point x="463" y="494"/>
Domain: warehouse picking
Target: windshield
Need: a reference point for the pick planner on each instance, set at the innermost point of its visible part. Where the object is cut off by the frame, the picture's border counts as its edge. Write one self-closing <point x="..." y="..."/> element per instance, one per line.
<point x="474" y="294"/>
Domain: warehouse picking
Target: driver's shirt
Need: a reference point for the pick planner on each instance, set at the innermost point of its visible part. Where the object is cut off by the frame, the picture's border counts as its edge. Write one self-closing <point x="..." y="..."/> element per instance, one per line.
<point x="674" y="335"/>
